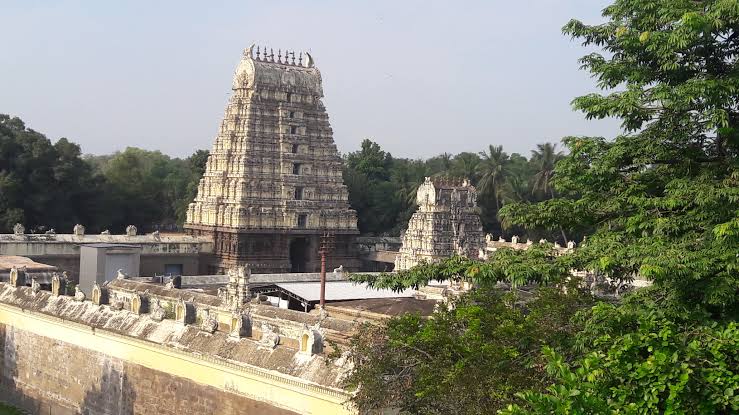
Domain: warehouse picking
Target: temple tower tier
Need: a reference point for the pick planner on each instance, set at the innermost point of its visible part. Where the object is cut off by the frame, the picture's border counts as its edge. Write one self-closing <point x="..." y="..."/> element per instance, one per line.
<point x="272" y="183"/>
<point x="446" y="223"/>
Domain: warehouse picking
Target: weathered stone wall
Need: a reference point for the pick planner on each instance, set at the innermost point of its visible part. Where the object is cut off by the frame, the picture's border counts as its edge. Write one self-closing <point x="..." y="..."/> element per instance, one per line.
<point x="45" y="375"/>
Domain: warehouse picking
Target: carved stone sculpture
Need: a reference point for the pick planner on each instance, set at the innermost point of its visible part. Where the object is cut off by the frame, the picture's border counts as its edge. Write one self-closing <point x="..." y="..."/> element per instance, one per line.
<point x="157" y="311"/>
<point x="121" y="275"/>
<point x="240" y="325"/>
<point x="57" y="286"/>
<point x="270" y="339"/>
<point x="210" y="323"/>
<point x="311" y="340"/>
<point x="99" y="295"/>
<point x="237" y="290"/>
<point x="19" y="229"/>
<point x="131" y="230"/>
<point x="17" y="276"/>
<point x="137" y="303"/>
<point x="184" y="312"/>
<point x="35" y="286"/>
<point x="78" y="230"/>
<point x="79" y="295"/>
<point x="105" y="232"/>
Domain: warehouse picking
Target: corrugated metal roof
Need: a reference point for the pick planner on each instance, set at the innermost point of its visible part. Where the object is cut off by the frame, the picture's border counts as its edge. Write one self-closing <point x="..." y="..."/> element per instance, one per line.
<point x="340" y="290"/>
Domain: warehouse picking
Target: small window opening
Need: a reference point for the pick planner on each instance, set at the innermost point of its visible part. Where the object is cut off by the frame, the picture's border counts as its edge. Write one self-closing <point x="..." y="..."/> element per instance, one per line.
<point x="296" y="168"/>
<point x="289" y="97"/>
<point x="298" y="193"/>
<point x="293" y="130"/>
<point x="292" y="114"/>
<point x="296" y="147"/>
<point x="302" y="221"/>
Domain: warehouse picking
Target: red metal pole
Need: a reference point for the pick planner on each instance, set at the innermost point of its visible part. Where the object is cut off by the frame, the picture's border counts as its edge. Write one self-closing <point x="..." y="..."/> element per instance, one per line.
<point x="323" y="277"/>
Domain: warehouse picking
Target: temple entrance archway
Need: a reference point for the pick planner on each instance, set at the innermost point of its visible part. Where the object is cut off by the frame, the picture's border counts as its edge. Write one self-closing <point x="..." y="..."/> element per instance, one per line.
<point x="298" y="254"/>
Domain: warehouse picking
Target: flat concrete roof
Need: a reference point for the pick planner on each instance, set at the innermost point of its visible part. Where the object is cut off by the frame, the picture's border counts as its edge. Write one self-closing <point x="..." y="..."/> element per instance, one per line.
<point x="340" y="290"/>
<point x="9" y="261"/>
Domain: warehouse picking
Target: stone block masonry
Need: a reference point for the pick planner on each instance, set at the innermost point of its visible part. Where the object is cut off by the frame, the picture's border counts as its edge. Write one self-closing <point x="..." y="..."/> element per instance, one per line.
<point x="57" y="366"/>
<point x="44" y="375"/>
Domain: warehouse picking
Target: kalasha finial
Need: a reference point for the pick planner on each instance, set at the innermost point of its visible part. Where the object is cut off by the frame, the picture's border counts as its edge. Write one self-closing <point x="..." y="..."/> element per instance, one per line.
<point x="300" y="59"/>
<point x="292" y="55"/>
<point x="279" y="55"/>
<point x="257" y="52"/>
<point x="271" y="54"/>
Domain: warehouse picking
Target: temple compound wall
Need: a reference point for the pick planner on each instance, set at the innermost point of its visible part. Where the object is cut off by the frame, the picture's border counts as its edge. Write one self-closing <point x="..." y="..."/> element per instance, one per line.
<point x="273" y="182"/>
<point x="158" y="251"/>
<point x="138" y="348"/>
<point x="446" y="223"/>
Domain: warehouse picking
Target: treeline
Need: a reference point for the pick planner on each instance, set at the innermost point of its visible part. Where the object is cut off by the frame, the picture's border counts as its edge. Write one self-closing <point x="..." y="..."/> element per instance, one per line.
<point x="383" y="189"/>
<point x="52" y="186"/>
<point x="47" y="185"/>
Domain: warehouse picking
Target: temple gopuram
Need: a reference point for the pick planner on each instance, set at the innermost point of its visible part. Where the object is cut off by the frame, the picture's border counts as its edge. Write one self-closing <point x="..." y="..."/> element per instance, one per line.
<point x="446" y="223"/>
<point x="273" y="184"/>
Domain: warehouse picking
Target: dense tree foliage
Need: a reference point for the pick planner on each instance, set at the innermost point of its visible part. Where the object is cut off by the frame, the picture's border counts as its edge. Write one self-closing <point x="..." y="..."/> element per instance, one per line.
<point x="469" y="359"/>
<point x="51" y="186"/>
<point x="660" y="201"/>
<point x="43" y="185"/>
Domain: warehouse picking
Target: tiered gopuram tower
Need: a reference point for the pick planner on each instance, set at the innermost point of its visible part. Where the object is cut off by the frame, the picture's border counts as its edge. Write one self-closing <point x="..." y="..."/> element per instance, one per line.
<point x="446" y="223"/>
<point x="272" y="184"/>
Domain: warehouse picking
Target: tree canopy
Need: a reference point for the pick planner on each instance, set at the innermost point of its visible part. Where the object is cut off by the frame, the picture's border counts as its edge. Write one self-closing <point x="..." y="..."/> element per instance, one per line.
<point x="46" y="185"/>
<point x="660" y="201"/>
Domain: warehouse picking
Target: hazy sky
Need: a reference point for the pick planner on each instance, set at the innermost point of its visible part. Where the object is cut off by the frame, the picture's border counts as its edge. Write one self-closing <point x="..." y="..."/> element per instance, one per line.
<point x="419" y="77"/>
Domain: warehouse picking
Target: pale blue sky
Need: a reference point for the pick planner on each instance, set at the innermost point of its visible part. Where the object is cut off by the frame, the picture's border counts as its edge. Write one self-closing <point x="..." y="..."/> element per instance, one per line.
<point x="419" y="77"/>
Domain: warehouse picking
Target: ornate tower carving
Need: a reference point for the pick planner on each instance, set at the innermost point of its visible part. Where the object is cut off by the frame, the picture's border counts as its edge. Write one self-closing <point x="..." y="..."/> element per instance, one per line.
<point x="446" y="223"/>
<point x="273" y="182"/>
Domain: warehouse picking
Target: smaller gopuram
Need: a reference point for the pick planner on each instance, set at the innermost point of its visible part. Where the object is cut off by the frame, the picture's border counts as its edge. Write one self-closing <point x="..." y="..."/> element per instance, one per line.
<point x="446" y="223"/>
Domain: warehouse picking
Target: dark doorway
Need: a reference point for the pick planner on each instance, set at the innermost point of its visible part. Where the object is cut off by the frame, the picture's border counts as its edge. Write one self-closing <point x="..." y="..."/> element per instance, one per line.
<point x="298" y="254"/>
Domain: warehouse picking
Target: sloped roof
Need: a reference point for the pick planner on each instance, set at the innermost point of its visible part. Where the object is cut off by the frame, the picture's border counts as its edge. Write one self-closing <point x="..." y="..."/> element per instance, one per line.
<point x="340" y="291"/>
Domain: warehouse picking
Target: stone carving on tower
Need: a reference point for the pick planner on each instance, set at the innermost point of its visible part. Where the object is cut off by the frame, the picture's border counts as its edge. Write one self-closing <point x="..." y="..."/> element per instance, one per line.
<point x="272" y="183"/>
<point x="446" y="223"/>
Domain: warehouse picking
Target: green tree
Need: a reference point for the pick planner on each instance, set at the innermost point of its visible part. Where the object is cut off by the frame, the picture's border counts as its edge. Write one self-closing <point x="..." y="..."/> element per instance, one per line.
<point x="544" y="158"/>
<point x="469" y="359"/>
<point x="661" y="201"/>
<point x="367" y="174"/>
<point x="664" y="202"/>
<point x="43" y="185"/>
<point x="465" y="165"/>
<point x="493" y="173"/>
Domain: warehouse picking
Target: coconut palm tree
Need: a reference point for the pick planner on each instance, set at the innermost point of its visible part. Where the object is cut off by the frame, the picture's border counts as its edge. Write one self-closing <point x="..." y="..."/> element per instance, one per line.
<point x="492" y="171"/>
<point x="544" y="158"/>
<point x="465" y="165"/>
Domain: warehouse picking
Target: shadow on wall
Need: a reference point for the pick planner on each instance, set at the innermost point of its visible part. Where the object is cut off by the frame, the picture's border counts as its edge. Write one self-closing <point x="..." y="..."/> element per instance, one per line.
<point x="8" y="368"/>
<point x="114" y="395"/>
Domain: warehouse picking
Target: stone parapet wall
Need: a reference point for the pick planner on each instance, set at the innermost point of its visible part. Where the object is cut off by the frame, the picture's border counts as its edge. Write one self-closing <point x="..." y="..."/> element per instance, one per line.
<point x="44" y="375"/>
<point x="77" y="368"/>
<point x="107" y="360"/>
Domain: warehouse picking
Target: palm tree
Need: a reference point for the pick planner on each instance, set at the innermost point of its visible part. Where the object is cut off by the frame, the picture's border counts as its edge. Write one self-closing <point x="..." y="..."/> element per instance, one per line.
<point x="465" y="166"/>
<point x="544" y="158"/>
<point x="493" y="172"/>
